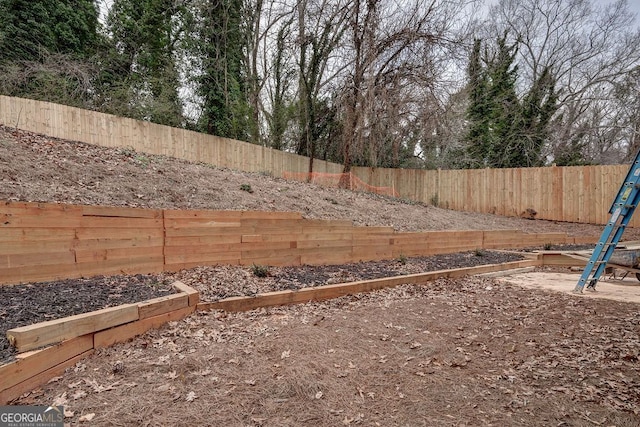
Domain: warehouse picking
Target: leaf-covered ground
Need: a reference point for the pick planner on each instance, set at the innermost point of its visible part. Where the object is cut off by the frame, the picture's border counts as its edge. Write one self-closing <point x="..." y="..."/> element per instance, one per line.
<point x="41" y="169"/>
<point x="467" y="352"/>
<point x="31" y="303"/>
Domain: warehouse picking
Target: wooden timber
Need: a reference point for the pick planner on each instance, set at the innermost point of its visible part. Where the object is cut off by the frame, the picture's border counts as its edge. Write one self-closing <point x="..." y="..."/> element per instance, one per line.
<point x="99" y="240"/>
<point x="41" y="334"/>
<point x="36" y="367"/>
<point x="321" y="293"/>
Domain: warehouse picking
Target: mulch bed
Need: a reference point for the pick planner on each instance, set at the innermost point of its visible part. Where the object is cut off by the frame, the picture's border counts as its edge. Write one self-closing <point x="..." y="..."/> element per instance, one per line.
<point x="31" y="303"/>
<point x="37" y="302"/>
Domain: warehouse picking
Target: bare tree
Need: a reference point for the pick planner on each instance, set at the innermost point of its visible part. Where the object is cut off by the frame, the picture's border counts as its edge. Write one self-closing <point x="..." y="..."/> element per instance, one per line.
<point x="397" y="48"/>
<point x="321" y="27"/>
<point x="589" y="50"/>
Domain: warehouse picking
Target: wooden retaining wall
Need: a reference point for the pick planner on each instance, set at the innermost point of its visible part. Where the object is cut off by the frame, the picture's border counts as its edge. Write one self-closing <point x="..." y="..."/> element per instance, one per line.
<point x="49" y="241"/>
<point x="41" y="241"/>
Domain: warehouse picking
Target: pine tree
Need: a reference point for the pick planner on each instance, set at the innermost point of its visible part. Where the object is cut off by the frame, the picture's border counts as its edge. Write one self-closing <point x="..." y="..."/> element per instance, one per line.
<point x="478" y="112"/>
<point x="505" y="132"/>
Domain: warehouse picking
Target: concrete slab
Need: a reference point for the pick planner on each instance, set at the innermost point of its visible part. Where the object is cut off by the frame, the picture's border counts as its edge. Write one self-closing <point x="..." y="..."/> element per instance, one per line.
<point x="627" y="289"/>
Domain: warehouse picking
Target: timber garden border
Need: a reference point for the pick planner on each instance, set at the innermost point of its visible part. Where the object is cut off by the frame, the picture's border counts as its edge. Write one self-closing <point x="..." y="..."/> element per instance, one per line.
<point x="73" y="338"/>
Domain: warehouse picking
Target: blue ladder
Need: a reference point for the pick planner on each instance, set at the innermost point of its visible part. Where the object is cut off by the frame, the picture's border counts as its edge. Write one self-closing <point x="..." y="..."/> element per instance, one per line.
<point x="621" y="212"/>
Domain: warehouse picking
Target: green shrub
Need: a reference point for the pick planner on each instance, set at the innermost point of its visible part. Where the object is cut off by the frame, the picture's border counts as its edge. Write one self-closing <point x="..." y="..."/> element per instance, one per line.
<point x="260" y="270"/>
<point x="247" y="188"/>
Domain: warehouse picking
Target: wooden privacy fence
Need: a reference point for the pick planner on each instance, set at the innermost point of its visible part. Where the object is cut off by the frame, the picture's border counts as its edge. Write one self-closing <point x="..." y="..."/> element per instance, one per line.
<point x="106" y="130"/>
<point x="572" y="194"/>
<point x="41" y="242"/>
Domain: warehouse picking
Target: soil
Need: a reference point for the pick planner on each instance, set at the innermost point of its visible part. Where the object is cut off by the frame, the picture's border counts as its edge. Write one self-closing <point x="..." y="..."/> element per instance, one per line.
<point x="36" y="168"/>
<point x="37" y="302"/>
<point x="31" y="303"/>
<point x="472" y="351"/>
<point x="465" y="352"/>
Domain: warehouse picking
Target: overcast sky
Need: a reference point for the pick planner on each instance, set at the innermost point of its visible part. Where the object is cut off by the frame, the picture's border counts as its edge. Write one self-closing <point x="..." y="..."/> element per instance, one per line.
<point x="634" y="5"/>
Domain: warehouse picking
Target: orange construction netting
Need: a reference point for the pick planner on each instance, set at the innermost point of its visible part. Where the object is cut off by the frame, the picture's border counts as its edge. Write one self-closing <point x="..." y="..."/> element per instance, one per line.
<point x="339" y="180"/>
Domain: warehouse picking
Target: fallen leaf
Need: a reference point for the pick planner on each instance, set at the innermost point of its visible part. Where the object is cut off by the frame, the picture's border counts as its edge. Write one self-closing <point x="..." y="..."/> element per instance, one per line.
<point x="191" y="396"/>
<point x="79" y="394"/>
<point x="98" y="388"/>
<point x="87" y="417"/>
<point x="285" y="354"/>
<point x="60" y="400"/>
<point x="163" y="388"/>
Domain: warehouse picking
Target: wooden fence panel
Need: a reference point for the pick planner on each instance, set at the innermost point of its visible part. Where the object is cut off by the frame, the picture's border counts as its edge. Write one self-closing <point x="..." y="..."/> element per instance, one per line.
<point x="106" y="130"/>
<point x="573" y="194"/>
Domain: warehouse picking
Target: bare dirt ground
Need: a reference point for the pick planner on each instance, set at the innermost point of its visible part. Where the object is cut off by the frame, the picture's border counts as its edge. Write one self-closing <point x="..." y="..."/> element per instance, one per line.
<point x="468" y="352"/>
<point x="41" y="169"/>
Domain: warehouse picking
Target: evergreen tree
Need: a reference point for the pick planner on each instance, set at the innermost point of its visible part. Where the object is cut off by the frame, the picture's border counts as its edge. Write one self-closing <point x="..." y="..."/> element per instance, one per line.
<point x="538" y="107"/>
<point x="31" y="28"/>
<point x="45" y="50"/>
<point x="478" y="111"/>
<point x="220" y="45"/>
<point x="504" y="131"/>
<point x="138" y="76"/>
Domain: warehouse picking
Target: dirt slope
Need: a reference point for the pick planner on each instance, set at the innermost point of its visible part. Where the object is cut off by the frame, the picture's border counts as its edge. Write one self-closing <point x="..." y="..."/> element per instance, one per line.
<point x="42" y="169"/>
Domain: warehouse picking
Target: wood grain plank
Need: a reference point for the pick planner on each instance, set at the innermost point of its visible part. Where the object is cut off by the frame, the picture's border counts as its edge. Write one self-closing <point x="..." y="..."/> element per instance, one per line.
<point x="53" y="331"/>
<point x="123" y="212"/>
<point x="321" y="293"/>
<point x="7" y="395"/>
<point x="128" y="331"/>
<point x="161" y="305"/>
<point x="193" y="294"/>
<point x="29" y="364"/>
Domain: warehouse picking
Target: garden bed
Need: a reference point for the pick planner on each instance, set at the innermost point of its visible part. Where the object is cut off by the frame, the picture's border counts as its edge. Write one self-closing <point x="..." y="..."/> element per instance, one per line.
<point x="45" y="349"/>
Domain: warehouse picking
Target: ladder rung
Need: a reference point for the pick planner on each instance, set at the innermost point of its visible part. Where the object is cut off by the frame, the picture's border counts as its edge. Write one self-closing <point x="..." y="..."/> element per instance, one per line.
<point x="621" y="212"/>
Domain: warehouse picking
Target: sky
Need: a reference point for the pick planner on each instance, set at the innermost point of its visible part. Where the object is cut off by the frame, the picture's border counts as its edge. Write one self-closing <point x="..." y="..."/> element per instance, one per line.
<point x="634" y="5"/>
